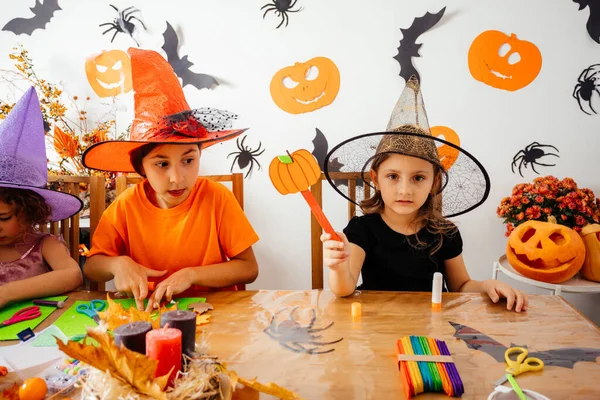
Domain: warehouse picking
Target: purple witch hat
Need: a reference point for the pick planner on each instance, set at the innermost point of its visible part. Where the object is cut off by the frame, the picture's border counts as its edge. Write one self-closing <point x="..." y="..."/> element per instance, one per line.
<point x="23" y="162"/>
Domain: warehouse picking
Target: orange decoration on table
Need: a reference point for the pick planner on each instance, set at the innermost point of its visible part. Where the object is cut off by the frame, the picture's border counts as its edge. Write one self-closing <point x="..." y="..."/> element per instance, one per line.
<point x="448" y="154"/>
<point x="3" y="371"/>
<point x="109" y="73"/>
<point x="305" y="87"/>
<point x="12" y="393"/>
<point x="33" y="389"/>
<point x="545" y="251"/>
<point x="591" y="238"/>
<point x="488" y="66"/>
<point x="297" y="172"/>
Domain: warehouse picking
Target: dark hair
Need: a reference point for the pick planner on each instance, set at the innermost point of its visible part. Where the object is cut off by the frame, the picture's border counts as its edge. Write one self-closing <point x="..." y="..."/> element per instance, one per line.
<point x="136" y="156"/>
<point x="31" y="209"/>
<point x="429" y="215"/>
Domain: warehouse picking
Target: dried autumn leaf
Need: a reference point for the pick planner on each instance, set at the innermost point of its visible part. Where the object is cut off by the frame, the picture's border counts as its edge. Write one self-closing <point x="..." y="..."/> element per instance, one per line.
<point x="12" y="393"/>
<point x="121" y="363"/>
<point x="202" y="319"/>
<point x="270" y="388"/>
<point x="115" y="315"/>
<point x="64" y="144"/>
<point x="200" y="307"/>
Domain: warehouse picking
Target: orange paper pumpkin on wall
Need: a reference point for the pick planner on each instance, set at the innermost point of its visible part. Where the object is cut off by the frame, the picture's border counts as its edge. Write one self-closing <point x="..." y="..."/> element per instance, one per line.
<point x="545" y="251"/>
<point x="109" y="73"/>
<point x="294" y="173"/>
<point x="448" y="154"/>
<point x="305" y="87"/>
<point x="511" y="71"/>
<point x="591" y="266"/>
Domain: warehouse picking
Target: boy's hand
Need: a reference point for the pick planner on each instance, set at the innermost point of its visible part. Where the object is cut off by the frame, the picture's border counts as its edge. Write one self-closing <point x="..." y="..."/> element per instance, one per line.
<point x="132" y="277"/>
<point x="176" y="283"/>
<point x="496" y="289"/>
<point x="335" y="252"/>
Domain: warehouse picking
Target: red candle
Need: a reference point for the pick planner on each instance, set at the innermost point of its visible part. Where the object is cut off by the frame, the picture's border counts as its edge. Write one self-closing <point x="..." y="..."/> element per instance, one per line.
<point x="164" y="346"/>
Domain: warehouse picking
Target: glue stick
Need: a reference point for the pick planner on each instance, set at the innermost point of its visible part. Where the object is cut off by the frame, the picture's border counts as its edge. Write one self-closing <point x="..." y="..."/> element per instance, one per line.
<point x="436" y="291"/>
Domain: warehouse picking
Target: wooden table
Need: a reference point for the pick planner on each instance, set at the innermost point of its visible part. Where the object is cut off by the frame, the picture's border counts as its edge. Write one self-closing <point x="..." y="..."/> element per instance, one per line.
<point x="363" y="364"/>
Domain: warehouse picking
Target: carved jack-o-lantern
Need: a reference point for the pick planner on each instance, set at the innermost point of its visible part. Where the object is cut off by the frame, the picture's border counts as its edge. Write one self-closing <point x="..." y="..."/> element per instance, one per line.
<point x="511" y="71"/>
<point x="109" y="73"/>
<point x="305" y="87"/>
<point x="545" y="251"/>
<point x="448" y="154"/>
<point x="591" y="266"/>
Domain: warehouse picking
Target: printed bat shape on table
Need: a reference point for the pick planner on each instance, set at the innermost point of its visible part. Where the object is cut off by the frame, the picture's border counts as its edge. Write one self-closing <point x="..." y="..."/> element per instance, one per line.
<point x="563" y="357"/>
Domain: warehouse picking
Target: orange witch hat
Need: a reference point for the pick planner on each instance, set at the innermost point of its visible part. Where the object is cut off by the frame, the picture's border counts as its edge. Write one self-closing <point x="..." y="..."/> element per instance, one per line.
<point x="162" y="115"/>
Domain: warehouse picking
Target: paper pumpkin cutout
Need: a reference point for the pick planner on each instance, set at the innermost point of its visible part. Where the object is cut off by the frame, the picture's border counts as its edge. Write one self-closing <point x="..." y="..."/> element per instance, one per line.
<point x="305" y="87"/>
<point x="500" y="71"/>
<point x="448" y="154"/>
<point x="297" y="172"/>
<point x="109" y="73"/>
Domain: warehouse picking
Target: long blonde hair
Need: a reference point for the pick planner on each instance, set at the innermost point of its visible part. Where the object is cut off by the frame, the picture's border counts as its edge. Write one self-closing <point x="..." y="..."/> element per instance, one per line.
<point x="429" y="215"/>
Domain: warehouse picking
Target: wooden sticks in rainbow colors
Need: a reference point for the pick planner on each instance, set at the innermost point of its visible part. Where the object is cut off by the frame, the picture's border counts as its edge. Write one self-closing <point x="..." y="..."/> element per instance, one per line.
<point x="426" y="366"/>
<point x="297" y="172"/>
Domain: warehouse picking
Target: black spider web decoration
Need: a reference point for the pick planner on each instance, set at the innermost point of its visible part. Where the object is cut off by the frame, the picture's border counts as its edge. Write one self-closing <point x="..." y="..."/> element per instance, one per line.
<point x="465" y="187"/>
<point x="211" y="118"/>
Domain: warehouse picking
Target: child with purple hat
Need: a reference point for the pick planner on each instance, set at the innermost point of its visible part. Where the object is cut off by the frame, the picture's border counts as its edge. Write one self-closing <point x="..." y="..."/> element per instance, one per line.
<point x="32" y="264"/>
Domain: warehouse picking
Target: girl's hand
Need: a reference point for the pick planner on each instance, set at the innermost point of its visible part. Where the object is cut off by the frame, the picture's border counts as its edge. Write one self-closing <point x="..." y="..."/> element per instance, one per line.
<point x="335" y="253"/>
<point x="176" y="283"/>
<point x="132" y="277"/>
<point x="496" y="289"/>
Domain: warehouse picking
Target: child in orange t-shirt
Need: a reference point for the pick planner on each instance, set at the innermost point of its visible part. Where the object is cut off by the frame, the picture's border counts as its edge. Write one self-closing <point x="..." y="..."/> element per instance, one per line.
<point x="181" y="231"/>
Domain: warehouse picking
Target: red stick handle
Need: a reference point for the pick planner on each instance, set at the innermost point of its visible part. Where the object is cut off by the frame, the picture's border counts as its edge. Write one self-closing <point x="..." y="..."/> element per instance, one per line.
<point x="319" y="215"/>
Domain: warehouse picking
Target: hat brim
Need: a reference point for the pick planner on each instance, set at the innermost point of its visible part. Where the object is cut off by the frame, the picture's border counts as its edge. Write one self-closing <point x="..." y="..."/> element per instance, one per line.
<point x="63" y="205"/>
<point x="466" y="185"/>
<point x="114" y="155"/>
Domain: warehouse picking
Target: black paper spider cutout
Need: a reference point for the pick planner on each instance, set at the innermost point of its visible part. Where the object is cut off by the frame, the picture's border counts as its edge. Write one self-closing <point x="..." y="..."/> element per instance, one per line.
<point x="291" y="335"/>
<point x="587" y="85"/>
<point x="246" y="156"/>
<point x="123" y="24"/>
<point x="281" y="8"/>
<point x="530" y="155"/>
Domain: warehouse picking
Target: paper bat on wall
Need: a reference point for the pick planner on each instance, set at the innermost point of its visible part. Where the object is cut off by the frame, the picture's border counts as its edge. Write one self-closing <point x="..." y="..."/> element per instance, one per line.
<point x="409" y="47"/>
<point x="564" y="357"/>
<point x="182" y="65"/>
<point x="593" y="24"/>
<point x="43" y="13"/>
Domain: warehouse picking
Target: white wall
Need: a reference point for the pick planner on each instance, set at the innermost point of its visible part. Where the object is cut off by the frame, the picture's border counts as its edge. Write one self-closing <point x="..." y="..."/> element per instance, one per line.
<point x="231" y="41"/>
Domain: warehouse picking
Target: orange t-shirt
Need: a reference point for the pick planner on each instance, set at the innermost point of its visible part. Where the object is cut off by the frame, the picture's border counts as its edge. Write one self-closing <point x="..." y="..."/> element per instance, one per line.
<point x="209" y="227"/>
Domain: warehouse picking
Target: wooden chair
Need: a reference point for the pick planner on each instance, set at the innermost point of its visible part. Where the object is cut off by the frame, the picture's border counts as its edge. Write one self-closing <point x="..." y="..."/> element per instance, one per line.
<point x="316" y="246"/>
<point x="70" y="228"/>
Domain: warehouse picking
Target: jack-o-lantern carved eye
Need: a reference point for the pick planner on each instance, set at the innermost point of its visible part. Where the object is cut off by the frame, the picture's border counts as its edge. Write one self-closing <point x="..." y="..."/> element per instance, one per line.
<point x="109" y="73"/>
<point x="545" y="251"/>
<point x="305" y="87"/>
<point x="504" y="62"/>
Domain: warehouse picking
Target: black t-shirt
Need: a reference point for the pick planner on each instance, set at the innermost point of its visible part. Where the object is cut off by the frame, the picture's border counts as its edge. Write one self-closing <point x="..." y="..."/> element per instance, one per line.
<point x="392" y="262"/>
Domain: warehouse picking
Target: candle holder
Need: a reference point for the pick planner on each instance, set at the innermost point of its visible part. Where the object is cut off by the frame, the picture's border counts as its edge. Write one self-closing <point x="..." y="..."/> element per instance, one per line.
<point x="133" y="336"/>
<point x="185" y="321"/>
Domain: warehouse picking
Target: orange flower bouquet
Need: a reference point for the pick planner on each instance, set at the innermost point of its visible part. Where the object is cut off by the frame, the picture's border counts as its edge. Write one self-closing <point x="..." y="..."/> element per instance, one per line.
<point x="548" y="196"/>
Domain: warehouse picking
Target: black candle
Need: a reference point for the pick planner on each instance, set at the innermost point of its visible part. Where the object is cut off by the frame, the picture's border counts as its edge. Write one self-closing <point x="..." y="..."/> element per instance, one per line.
<point x="133" y="336"/>
<point x="185" y="321"/>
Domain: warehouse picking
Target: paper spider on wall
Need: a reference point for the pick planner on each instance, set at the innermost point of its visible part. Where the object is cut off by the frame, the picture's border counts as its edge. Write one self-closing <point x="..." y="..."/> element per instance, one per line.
<point x="246" y="156"/>
<point x="530" y="155"/>
<point x="123" y="23"/>
<point x="588" y="85"/>
<point x="281" y="8"/>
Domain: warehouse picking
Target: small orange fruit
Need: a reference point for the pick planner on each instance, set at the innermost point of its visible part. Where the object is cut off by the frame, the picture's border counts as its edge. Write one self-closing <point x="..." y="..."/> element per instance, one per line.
<point x="33" y="389"/>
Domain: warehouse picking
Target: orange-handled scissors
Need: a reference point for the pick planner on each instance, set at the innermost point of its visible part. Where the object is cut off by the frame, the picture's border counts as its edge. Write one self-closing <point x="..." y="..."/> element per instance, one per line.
<point x="521" y="364"/>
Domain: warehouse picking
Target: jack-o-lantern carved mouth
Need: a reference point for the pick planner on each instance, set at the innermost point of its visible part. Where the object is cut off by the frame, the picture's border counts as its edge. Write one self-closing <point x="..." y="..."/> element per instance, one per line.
<point x="111" y="85"/>
<point x="498" y="74"/>
<point x="311" y="101"/>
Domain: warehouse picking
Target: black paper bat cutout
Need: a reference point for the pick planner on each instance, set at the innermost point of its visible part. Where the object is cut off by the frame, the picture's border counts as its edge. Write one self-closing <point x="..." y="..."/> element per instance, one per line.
<point x="593" y="23"/>
<point x="181" y="66"/>
<point x="565" y="357"/>
<point x="321" y="147"/>
<point x="409" y="47"/>
<point x="43" y="14"/>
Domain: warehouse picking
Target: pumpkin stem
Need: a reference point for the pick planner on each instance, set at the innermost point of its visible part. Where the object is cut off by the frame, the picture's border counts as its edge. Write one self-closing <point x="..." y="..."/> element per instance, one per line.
<point x="552" y="219"/>
<point x="288" y="153"/>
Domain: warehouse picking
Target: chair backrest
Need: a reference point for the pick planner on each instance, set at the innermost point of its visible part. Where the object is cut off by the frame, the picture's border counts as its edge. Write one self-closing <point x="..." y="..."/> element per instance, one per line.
<point x="70" y="228"/>
<point x="344" y="178"/>
<point x="237" y="187"/>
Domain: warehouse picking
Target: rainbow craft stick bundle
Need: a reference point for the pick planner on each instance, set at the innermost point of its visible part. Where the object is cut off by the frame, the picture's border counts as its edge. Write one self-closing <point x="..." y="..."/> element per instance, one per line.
<point x="426" y="366"/>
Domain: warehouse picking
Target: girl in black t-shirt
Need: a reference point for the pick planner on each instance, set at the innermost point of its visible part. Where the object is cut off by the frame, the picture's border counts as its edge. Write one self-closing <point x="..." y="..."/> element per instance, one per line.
<point x="403" y="239"/>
